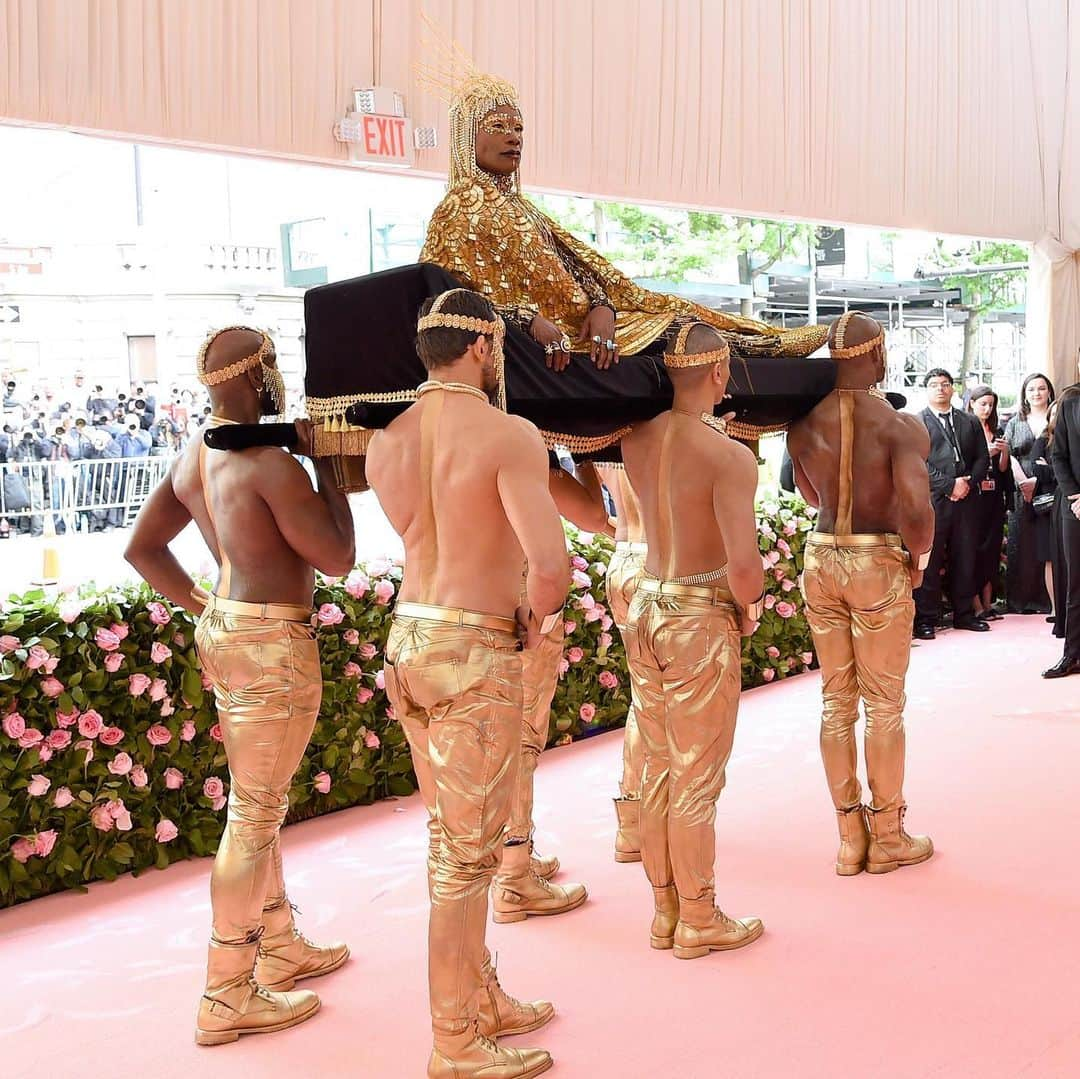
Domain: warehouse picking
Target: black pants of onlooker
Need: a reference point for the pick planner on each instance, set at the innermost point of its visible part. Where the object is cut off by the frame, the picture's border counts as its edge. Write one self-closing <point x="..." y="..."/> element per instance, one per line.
<point x="954" y="546"/>
<point x="1070" y="535"/>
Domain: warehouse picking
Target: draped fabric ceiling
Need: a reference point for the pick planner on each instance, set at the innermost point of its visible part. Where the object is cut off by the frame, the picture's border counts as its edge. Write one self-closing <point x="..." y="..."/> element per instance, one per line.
<point x="956" y="116"/>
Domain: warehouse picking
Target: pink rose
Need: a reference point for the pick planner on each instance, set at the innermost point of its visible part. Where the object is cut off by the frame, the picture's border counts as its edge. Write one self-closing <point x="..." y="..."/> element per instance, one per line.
<point x="779" y="573"/>
<point x="581" y="580"/>
<point x="121" y="764"/>
<point x="768" y="674"/>
<point x="787" y="585"/>
<point x="158" y="614"/>
<point x="9" y="643"/>
<point x="323" y="783"/>
<point x="785" y="609"/>
<point x="363" y="695"/>
<point x="357" y="585"/>
<point x="187" y="731"/>
<point x="38" y="785"/>
<point x="159" y="735"/>
<point x="606" y="623"/>
<point x="138" y="684"/>
<point x="765" y="563"/>
<point x="68" y="719"/>
<point x="772" y="651"/>
<point x="351" y="637"/>
<point x="384" y="592"/>
<point x="179" y="640"/>
<point x="594" y="614"/>
<point x="167" y="708"/>
<point x="770" y="601"/>
<point x="807" y="657"/>
<point x="37" y="657"/>
<point x="30" y="737"/>
<point x="44" y="843"/>
<point x="380" y="680"/>
<point x="111" y="736"/>
<point x="174" y="779"/>
<point x="568" y="627"/>
<point x="367" y="651"/>
<point x="213" y="787"/>
<point x="22" y="850"/>
<point x="605" y="640"/>
<point x="45" y="754"/>
<point x="564" y="666"/>
<point x="579" y="563"/>
<point x="166" y="831"/>
<point x="379" y="567"/>
<point x="63" y="798"/>
<point x="69" y="612"/>
<point x="106" y="640"/>
<point x="587" y="602"/>
<point x="52" y="688"/>
<point x="785" y="550"/>
<point x="158" y="690"/>
<point x="113" y="662"/>
<point x="58" y="739"/>
<point x="138" y="776"/>
<point x="390" y="713"/>
<point x="773" y="557"/>
<point x="120" y="629"/>
<point x="215" y="733"/>
<point x="88" y="746"/>
<point x="608" y="680"/>
<point x="14" y="725"/>
<point x="102" y="819"/>
<point x="790" y="661"/>
<point x="330" y="614"/>
<point x="51" y="664"/>
<point x="587" y="712"/>
<point x="575" y="654"/>
<point x="352" y="670"/>
<point x="789" y="529"/>
<point x="120" y="814"/>
<point x="219" y="803"/>
<point x="371" y="740"/>
<point x="159" y="652"/>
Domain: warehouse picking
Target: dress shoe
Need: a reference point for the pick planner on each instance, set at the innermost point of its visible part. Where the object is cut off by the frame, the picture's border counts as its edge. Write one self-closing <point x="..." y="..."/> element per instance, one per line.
<point x="233" y="1003"/>
<point x="990" y="615"/>
<point x="1063" y="668"/>
<point x="500" y="1015"/>
<point x="718" y="933"/>
<point x="854" y="841"/>
<point x="666" y="918"/>
<point x="890" y="846"/>
<point x="286" y="955"/>
<point x="518" y="893"/>
<point x="472" y="1055"/>
<point x="924" y="633"/>
<point x="627" y="838"/>
<point x="970" y="622"/>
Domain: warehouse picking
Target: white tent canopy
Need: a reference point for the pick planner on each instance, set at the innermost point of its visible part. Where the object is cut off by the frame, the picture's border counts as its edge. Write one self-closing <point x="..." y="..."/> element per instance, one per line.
<point x="957" y="116"/>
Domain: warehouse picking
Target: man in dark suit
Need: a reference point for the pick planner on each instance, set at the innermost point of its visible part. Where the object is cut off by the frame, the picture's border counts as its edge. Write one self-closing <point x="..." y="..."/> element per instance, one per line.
<point x="957" y="452"/>
<point x="1065" y="457"/>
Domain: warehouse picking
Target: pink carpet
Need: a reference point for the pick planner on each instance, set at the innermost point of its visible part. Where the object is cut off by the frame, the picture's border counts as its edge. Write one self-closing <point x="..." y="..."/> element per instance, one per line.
<point x="966" y="966"/>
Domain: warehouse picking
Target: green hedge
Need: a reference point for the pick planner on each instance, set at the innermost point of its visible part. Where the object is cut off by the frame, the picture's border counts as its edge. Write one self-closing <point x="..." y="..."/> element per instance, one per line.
<point x="110" y="754"/>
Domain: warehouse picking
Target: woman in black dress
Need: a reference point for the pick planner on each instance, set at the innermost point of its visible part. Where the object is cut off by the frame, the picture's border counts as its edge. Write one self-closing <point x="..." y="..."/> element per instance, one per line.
<point x="992" y="493"/>
<point x="1028" y="578"/>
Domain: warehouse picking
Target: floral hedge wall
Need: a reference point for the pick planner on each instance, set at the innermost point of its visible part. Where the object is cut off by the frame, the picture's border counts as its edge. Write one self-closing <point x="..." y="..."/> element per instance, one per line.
<point x="110" y="753"/>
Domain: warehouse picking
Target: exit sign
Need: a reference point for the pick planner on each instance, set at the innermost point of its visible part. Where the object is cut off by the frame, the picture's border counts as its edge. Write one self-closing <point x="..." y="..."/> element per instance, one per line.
<point x="381" y="140"/>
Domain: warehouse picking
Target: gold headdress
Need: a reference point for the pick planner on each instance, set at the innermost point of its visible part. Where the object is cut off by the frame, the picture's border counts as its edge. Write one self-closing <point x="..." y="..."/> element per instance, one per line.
<point x="271" y="375"/>
<point x="494" y="328"/>
<point x="837" y="350"/>
<point x="471" y="95"/>
<point x="678" y="357"/>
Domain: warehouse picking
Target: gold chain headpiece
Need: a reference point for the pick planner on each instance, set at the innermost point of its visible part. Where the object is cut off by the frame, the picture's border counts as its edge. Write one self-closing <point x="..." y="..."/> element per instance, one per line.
<point x="837" y="350"/>
<point x="224" y="374"/>
<point x="678" y="357"/>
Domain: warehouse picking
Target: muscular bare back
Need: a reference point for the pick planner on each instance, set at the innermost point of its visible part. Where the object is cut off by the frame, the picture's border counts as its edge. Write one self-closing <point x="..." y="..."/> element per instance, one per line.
<point x="629" y="525"/>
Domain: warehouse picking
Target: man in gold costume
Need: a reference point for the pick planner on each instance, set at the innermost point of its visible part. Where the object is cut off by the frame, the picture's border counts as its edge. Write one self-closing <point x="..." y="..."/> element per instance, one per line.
<point x="267" y="528"/>
<point x="702" y="590"/>
<point x="466" y="487"/>
<point x="857" y="582"/>
<point x="625" y="570"/>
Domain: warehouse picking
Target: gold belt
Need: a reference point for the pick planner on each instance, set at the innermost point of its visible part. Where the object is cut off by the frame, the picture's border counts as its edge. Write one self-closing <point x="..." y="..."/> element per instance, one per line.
<point x="656" y="587"/>
<point x="271" y="612"/>
<point x="858" y="539"/>
<point x="456" y="616"/>
<point x="626" y="547"/>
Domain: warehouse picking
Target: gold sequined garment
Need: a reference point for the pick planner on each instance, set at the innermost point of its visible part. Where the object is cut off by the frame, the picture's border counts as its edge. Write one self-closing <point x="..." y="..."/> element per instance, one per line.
<point x="499" y="244"/>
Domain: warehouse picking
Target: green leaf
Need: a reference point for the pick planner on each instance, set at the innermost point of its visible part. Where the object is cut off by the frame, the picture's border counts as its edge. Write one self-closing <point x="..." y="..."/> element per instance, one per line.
<point x="191" y="685"/>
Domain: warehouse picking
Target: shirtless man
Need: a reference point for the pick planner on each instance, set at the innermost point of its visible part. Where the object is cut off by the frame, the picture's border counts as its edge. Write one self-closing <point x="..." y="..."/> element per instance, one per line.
<point x="466" y="487"/>
<point x="872" y="543"/>
<point x="267" y="529"/>
<point x="703" y="589"/>
<point x="625" y="570"/>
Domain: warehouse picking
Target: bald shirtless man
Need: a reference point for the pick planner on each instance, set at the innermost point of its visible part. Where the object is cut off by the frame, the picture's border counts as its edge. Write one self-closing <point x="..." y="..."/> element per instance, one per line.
<point x="267" y="529"/>
<point x="625" y="570"/>
<point x="466" y="487"/>
<point x="703" y="589"/>
<point x="871" y="546"/>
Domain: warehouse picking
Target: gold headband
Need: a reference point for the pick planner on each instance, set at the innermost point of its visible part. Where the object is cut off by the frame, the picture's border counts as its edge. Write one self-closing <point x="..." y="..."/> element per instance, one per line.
<point x="679" y="358"/>
<point x="224" y="374"/>
<point x="837" y="349"/>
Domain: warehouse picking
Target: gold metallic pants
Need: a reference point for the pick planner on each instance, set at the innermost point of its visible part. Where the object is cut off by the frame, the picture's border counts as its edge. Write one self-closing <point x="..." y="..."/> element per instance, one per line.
<point x="685" y="662"/>
<point x="263" y="662"/>
<point x="625" y="570"/>
<point x="456" y="690"/>
<point x="860" y="610"/>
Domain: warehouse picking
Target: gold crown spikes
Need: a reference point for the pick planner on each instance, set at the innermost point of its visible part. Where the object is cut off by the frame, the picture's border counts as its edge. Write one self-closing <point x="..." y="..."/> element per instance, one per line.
<point x="679" y="358"/>
<point x="857" y="350"/>
<point x="224" y="374"/>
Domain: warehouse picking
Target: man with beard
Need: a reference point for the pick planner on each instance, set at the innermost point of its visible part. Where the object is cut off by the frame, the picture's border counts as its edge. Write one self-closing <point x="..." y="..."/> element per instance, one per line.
<point x="268" y="531"/>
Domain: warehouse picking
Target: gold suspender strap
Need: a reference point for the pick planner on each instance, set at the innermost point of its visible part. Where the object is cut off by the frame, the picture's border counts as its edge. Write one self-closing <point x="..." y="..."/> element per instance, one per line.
<point x="225" y="579"/>
<point x="429" y="537"/>
<point x="665" y="514"/>
<point x="847" y="435"/>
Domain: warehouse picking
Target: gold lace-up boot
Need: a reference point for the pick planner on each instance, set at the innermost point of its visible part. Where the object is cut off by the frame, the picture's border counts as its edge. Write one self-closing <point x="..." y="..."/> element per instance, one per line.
<point x="286" y="955"/>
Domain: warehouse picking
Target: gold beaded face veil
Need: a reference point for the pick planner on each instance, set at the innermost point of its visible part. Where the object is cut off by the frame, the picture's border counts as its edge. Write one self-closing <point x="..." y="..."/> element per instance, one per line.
<point x="273" y="382"/>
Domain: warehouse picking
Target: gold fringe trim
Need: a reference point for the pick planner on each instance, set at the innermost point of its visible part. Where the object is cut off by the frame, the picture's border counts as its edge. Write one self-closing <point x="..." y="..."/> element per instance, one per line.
<point x="322" y="408"/>
<point x="749" y="432"/>
<point x="581" y="443"/>
<point x="338" y="439"/>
